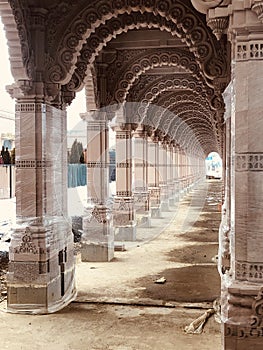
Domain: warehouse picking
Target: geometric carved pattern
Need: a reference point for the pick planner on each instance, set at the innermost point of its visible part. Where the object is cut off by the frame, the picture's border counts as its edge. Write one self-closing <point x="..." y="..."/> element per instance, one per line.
<point x="32" y="164"/>
<point x="192" y="27"/>
<point x="257" y="306"/>
<point x="147" y="88"/>
<point x="26" y="272"/>
<point x="29" y="107"/>
<point x="124" y="165"/>
<point x="147" y="59"/>
<point x="252" y="50"/>
<point x="26" y="245"/>
<point x="98" y="214"/>
<point x="98" y="164"/>
<point x="249" y="271"/>
<point x="249" y="162"/>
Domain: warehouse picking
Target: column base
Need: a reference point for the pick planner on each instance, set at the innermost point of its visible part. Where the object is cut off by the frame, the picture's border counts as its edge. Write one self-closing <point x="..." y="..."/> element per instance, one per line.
<point x="156" y="213"/>
<point x="40" y="277"/>
<point x="172" y="202"/>
<point x="91" y="252"/>
<point x="143" y="220"/>
<point x="241" y="313"/>
<point x="241" y="337"/>
<point x="125" y="233"/>
<point x="18" y="300"/>
<point x="164" y="207"/>
<point x="97" y="240"/>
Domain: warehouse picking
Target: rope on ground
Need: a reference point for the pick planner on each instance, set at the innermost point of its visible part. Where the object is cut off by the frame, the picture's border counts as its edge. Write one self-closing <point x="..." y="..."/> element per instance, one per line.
<point x="197" y="326"/>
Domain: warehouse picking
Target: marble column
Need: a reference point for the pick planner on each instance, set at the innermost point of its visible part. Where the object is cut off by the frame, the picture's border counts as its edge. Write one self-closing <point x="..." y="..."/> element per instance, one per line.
<point x="140" y="185"/>
<point x="153" y="177"/>
<point x="224" y="230"/>
<point x="40" y="277"/>
<point x="242" y="291"/>
<point x="170" y="173"/>
<point x="176" y="173"/>
<point x="124" y="209"/>
<point x="181" y="172"/>
<point x="97" y="241"/>
<point x="163" y="176"/>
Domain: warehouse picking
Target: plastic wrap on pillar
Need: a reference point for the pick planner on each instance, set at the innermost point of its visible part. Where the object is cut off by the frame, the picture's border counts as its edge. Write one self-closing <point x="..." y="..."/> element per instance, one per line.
<point x="140" y="184"/>
<point x="153" y="177"/>
<point x="97" y="242"/>
<point x="242" y="295"/>
<point x="124" y="211"/>
<point x="163" y="177"/>
<point x="41" y="270"/>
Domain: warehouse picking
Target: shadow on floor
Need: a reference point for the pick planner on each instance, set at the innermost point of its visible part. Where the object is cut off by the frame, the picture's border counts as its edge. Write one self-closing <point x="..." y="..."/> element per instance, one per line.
<point x="188" y="284"/>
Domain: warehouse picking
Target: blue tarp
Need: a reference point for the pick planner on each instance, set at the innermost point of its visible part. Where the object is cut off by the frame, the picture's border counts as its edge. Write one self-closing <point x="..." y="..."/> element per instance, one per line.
<point x="77" y="175"/>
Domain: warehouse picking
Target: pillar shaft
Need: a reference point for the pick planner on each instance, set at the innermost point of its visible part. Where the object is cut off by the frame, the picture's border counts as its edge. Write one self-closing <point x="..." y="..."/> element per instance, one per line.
<point x="41" y="270"/>
<point x="140" y="184"/>
<point x="153" y="177"/>
<point x="124" y="211"/>
<point x="97" y="242"/>
<point x="163" y="180"/>
<point x="242" y="294"/>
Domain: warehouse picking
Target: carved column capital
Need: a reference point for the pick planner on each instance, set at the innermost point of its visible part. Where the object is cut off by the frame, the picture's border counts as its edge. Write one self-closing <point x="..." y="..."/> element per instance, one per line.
<point x="257" y="7"/>
<point x="218" y="25"/>
<point x="204" y="6"/>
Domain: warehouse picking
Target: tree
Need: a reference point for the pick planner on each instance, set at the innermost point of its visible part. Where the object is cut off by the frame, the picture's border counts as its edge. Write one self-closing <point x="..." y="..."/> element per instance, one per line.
<point x="76" y="151"/>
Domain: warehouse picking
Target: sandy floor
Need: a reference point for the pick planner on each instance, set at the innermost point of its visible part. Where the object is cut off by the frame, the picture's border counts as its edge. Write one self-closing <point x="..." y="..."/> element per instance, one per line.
<point x="119" y="307"/>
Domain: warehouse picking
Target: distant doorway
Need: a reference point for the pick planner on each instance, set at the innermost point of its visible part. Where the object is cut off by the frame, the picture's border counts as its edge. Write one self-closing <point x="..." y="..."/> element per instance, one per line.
<point x="213" y="164"/>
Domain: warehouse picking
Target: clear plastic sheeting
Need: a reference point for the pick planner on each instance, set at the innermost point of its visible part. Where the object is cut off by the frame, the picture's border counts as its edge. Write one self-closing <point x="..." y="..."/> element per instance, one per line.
<point x="197" y="326"/>
<point x="41" y="269"/>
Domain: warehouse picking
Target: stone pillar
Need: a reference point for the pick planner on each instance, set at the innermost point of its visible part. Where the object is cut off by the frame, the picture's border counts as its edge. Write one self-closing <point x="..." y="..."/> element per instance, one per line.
<point x="124" y="210"/>
<point x="242" y="291"/>
<point x="40" y="278"/>
<point x="163" y="176"/>
<point x="181" y="173"/>
<point x="176" y="173"/>
<point x="224" y="230"/>
<point x="170" y="176"/>
<point x="140" y="186"/>
<point x="153" y="177"/>
<point x="97" y="242"/>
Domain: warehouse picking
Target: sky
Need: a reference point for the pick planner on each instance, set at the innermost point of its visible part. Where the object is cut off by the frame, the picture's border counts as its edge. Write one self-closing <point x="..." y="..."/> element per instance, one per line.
<point x="7" y="104"/>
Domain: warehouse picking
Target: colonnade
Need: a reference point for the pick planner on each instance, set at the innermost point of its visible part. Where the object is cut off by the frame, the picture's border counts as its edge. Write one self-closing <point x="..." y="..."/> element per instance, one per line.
<point x="152" y="173"/>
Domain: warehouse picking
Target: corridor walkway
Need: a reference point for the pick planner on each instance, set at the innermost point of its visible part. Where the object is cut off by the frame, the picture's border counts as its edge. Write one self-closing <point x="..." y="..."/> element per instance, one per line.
<point x="119" y="305"/>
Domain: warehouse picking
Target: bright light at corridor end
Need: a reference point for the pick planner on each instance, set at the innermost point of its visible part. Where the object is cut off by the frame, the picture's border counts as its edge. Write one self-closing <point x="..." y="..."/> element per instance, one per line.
<point x="213" y="164"/>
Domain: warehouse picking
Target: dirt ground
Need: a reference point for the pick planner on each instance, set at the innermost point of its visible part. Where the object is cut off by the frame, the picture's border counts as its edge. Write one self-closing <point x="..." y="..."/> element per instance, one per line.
<point x="120" y="307"/>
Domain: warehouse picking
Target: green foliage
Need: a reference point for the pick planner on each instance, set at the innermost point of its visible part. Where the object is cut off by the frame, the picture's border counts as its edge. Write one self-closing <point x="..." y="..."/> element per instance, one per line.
<point x="76" y="152"/>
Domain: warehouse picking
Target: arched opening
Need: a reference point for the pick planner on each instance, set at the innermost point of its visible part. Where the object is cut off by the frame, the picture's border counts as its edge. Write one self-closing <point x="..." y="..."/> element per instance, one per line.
<point x="213" y="164"/>
<point x="158" y="53"/>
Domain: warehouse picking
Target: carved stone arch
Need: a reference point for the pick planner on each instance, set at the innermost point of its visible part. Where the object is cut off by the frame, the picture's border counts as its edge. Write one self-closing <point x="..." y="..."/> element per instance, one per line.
<point x="191" y="110"/>
<point x="203" y="139"/>
<point x="191" y="24"/>
<point x="155" y="58"/>
<point x="110" y="30"/>
<point x="182" y="124"/>
<point x="14" y="21"/>
<point x="172" y="99"/>
<point x="190" y="107"/>
<point x="148" y="88"/>
<point x="91" y="90"/>
<point x="181" y="127"/>
<point x="197" y="121"/>
<point x="168" y="117"/>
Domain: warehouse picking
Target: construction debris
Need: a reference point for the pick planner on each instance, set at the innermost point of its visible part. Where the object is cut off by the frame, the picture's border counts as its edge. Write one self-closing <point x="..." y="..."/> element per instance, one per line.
<point x="161" y="280"/>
